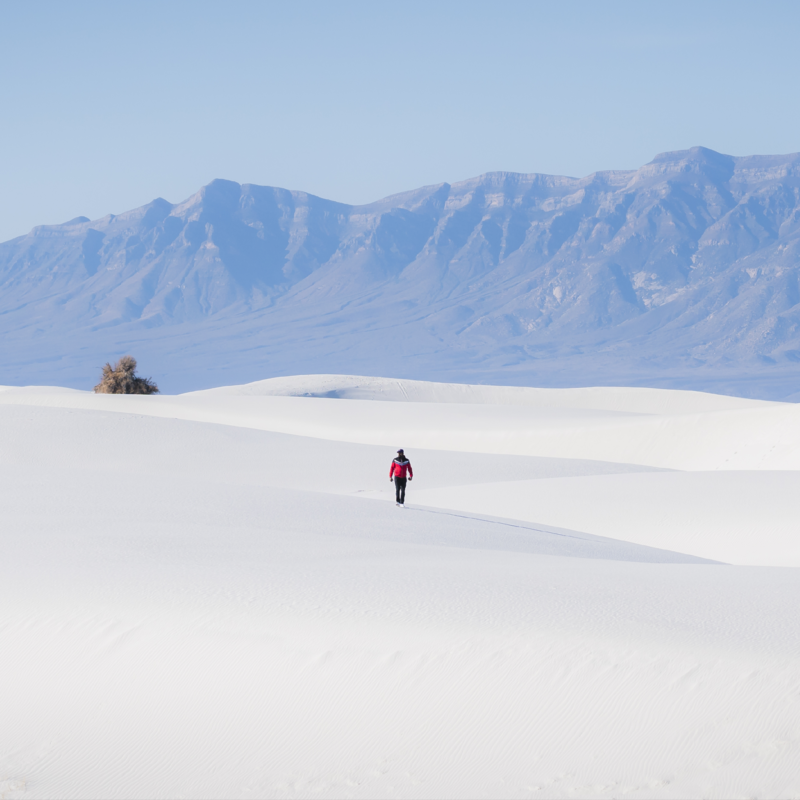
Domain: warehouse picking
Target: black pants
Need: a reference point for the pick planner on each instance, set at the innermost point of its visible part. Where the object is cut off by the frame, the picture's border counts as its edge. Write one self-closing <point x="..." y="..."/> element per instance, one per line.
<point x="400" y="489"/>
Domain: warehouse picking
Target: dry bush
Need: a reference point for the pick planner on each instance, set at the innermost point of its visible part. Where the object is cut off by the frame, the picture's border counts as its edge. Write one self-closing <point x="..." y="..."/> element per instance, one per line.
<point x="122" y="379"/>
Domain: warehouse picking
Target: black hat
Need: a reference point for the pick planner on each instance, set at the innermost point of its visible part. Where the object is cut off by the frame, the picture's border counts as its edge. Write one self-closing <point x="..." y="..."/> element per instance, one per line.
<point x="400" y="450"/>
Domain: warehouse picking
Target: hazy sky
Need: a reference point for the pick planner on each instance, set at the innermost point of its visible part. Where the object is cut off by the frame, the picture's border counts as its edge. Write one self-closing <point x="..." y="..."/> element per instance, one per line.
<point x="106" y="106"/>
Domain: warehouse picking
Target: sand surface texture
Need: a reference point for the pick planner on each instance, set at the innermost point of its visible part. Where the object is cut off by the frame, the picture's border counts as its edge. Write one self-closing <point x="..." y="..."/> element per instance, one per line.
<point x="591" y="593"/>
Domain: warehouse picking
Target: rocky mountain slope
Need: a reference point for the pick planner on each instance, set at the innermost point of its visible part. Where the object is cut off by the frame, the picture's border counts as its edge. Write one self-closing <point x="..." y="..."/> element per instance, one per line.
<point x="683" y="273"/>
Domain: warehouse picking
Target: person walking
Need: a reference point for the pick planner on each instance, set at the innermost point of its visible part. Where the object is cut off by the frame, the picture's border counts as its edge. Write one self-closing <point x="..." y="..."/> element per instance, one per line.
<point x="401" y="467"/>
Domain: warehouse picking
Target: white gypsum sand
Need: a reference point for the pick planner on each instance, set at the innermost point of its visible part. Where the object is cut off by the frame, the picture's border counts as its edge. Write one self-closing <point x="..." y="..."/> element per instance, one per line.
<point x="209" y="595"/>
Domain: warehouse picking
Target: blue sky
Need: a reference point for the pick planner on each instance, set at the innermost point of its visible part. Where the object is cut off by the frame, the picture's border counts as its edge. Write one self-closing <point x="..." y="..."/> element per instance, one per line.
<point x="106" y="106"/>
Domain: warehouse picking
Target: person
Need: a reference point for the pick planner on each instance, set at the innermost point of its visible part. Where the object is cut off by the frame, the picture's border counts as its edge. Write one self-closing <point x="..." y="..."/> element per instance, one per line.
<point x="401" y="467"/>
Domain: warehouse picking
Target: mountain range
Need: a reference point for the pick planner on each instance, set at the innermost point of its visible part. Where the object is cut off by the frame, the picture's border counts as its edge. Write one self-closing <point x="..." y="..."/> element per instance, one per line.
<point x="683" y="273"/>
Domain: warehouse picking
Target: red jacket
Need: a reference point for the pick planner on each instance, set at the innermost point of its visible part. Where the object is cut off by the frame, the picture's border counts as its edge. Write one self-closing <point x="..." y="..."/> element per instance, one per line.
<point x="400" y="468"/>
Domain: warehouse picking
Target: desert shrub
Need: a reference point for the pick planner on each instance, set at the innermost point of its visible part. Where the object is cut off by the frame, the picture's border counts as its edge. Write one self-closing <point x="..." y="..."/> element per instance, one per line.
<point x="122" y="379"/>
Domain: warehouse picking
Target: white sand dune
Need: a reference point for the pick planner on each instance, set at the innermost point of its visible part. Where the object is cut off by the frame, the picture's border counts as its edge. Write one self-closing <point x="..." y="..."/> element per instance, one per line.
<point x="730" y="434"/>
<point x="737" y="517"/>
<point x="203" y="596"/>
<point x="605" y="398"/>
